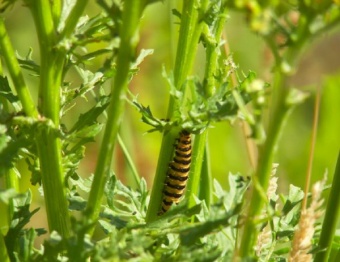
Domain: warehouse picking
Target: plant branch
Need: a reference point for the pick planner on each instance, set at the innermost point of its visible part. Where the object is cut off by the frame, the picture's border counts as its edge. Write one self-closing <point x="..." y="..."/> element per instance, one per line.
<point x="15" y="72"/>
<point x="48" y="142"/>
<point x="261" y="177"/>
<point x="131" y="18"/>
<point x="189" y="34"/>
<point x="331" y="219"/>
<point x="73" y="18"/>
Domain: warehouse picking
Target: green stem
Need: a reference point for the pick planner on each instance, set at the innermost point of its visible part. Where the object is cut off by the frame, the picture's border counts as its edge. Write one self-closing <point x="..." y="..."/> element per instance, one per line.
<point x="131" y="18"/>
<point x="73" y="18"/>
<point x="206" y="191"/>
<point x="267" y="151"/>
<point x="189" y="34"/>
<point x="262" y="175"/>
<point x="129" y="160"/>
<point x="196" y="167"/>
<point x="11" y="182"/>
<point x="213" y="40"/>
<point x="331" y="219"/>
<point x="56" y="6"/>
<point x="15" y="72"/>
<point x="48" y="142"/>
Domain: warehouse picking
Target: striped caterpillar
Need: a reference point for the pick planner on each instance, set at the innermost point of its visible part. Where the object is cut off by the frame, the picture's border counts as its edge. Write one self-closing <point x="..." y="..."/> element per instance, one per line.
<point x="178" y="172"/>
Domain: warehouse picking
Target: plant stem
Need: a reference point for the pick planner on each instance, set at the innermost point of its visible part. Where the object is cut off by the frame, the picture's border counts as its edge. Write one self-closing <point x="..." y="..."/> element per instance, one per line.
<point x="131" y="18"/>
<point x="11" y="182"/>
<point x="205" y="190"/>
<point x="213" y="39"/>
<point x="56" y="8"/>
<point x="312" y="149"/>
<point x="129" y="160"/>
<point x="261" y="177"/>
<point x="195" y="170"/>
<point x="48" y="141"/>
<point x="212" y="43"/>
<point x="331" y="219"/>
<point x="73" y="18"/>
<point x="15" y="72"/>
<point x="186" y="50"/>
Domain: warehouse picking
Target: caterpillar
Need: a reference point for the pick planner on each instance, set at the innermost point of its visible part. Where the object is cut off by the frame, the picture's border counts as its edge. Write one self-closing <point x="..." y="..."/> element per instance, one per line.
<point x="178" y="172"/>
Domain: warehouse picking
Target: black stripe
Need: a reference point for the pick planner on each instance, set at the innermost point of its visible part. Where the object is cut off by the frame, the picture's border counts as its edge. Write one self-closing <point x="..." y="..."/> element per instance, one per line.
<point x="180" y="161"/>
<point x="181" y="170"/>
<point x="185" y="133"/>
<point x="167" y="203"/>
<point x="174" y="195"/>
<point x="178" y="172"/>
<point x="183" y="149"/>
<point x="179" y="187"/>
<point x="186" y="142"/>
<point x="182" y="155"/>
<point x="179" y="178"/>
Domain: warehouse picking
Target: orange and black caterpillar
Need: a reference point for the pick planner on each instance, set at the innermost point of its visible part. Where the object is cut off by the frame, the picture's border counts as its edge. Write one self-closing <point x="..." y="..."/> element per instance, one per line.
<point x="178" y="172"/>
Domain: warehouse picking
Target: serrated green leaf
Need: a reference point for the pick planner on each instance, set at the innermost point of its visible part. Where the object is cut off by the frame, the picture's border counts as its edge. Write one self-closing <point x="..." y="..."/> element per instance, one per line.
<point x="6" y="92"/>
<point x="28" y="63"/>
<point x="106" y="227"/>
<point x="90" y="117"/>
<point x="77" y="203"/>
<point x="294" y="197"/>
<point x="10" y="153"/>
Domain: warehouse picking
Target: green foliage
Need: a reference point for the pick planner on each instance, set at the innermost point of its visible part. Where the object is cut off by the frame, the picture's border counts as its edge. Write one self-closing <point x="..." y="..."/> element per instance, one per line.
<point x="19" y="240"/>
<point x="199" y="111"/>
<point x="214" y="225"/>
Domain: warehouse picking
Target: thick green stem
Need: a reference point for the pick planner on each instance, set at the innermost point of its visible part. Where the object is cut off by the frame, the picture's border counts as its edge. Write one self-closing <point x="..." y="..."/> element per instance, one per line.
<point x="261" y="178"/>
<point x="268" y="149"/>
<point x="331" y="219"/>
<point x="195" y="170"/>
<point x="213" y="39"/>
<point x="189" y="34"/>
<point x="56" y="7"/>
<point x="48" y="141"/>
<point x="131" y="18"/>
<point x="15" y="72"/>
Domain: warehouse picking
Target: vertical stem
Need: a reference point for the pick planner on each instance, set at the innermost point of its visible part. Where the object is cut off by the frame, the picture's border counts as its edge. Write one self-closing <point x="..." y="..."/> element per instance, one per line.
<point x="11" y="182"/>
<point x="250" y="145"/>
<point x="331" y="219"/>
<point x="261" y="177"/>
<point x="48" y="142"/>
<point x="213" y="39"/>
<point x="15" y="72"/>
<point x="205" y="190"/>
<point x="73" y="18"/>
<point x="186" y="50"/>
<point x="195" y="170"/>
<point x="56" y="8"/>
<point x="311" y="152"/>
<point x="131" y="18"/>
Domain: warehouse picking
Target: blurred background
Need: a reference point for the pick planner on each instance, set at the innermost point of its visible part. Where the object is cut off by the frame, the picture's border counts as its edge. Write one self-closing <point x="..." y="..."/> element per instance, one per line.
<point x="319" y="66"/>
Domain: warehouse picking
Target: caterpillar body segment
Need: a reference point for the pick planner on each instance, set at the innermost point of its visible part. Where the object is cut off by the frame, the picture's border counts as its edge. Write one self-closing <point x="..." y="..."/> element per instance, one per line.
<point x="178" y="172"/>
